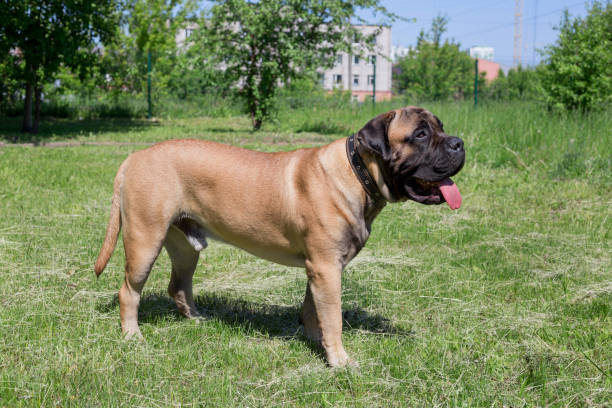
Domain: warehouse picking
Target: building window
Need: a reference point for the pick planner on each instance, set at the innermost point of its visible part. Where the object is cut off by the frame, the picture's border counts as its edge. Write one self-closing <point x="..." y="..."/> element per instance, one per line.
<point x="355" y="79"/>
<point x="356" y="59"/>
<point x="321" y="78"/>
<point x="339" y="59"/>
<point x="337" y="79"/>
<point x="372" y="59"/>
<point x="188" y="32"/>
<point x="370" y="79"/>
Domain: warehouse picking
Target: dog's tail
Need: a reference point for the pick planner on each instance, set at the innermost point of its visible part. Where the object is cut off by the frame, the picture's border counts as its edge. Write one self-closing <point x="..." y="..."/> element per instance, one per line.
<point x="114" y="224"/>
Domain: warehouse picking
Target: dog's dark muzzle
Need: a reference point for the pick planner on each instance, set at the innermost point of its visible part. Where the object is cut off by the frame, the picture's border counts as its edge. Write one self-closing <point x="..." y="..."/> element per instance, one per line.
<point x="456" y="155"/>
<point x="445" y="161"/>
<point x="454" y="145"/>
<point x="451" y="156"/>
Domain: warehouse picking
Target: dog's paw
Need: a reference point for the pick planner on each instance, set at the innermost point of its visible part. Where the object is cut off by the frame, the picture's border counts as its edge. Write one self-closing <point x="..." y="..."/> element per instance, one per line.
<point x="341" y="360"/>
<point x="133" y="335"/>
<point x="191" y="313"/>
<point x="352" y="364"/>
<point x="199" y="319"/>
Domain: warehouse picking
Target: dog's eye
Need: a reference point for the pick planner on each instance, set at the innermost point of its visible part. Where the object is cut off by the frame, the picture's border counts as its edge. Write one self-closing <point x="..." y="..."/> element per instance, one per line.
<point x="420" y="134"/>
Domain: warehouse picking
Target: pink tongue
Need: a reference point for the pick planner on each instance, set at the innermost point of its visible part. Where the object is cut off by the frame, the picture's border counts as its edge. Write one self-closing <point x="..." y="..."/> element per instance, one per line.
<point x="451" y="193"/>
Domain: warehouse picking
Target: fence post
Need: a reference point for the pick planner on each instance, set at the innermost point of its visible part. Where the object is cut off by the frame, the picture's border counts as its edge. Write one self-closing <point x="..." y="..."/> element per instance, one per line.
<point x="476" y="83"/>
<point x="149" y="84"/>
<point x="374" y="81"/>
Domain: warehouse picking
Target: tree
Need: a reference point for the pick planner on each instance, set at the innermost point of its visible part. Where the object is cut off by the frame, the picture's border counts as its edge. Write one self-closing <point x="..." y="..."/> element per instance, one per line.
<point x="195" y="73"/>
<point x="152" y="27"/>
<point x="121" y="63"/>
<point x="42" y="35"/>
<point x="433" y="70"/>
<point x="578" y="71"/>
<point x="266" y="43"/>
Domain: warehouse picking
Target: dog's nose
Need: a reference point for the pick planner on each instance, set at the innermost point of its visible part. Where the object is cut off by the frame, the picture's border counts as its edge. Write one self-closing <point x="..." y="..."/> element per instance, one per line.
<point x="455" y="145"/>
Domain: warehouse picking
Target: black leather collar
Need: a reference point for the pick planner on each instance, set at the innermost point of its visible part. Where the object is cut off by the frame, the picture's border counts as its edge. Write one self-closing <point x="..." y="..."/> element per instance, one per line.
<point x="360" y="169"/>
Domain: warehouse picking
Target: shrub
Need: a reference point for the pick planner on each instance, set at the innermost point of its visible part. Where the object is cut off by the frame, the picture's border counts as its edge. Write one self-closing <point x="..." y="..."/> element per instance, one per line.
<point x="578" y="70"/>
<point x="519" y="83"/>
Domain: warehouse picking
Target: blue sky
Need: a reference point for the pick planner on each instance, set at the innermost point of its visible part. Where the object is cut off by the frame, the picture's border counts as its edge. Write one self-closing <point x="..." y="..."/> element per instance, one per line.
<point x="485" y="22"/>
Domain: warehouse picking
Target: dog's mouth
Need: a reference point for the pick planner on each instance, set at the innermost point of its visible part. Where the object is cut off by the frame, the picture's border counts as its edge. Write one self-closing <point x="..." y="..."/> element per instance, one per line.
<point x="430" y="192"/>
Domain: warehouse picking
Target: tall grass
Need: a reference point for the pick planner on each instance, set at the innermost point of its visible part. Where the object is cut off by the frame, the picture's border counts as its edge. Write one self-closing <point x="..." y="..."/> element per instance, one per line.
<point x="522" y="134"/>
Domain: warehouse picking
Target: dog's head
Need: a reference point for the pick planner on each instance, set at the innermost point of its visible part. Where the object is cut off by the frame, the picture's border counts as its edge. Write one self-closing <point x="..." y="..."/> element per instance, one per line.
<point x="415" y="156"/>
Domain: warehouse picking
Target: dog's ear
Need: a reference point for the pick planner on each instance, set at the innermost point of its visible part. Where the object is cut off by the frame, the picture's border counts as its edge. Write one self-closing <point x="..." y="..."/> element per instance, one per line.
<point x="373" y="136"/>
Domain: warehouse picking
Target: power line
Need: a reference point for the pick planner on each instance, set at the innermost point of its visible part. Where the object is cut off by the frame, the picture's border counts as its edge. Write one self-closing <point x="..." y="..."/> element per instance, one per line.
<point x="481" y="6"/>
<point x="487" y="4"/>
<point x="510" y="24"/>
<point x="535" y="31"/>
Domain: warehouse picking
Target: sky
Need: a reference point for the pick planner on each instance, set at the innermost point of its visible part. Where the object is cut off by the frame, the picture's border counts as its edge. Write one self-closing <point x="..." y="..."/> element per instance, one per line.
<point x="485" y="23"/>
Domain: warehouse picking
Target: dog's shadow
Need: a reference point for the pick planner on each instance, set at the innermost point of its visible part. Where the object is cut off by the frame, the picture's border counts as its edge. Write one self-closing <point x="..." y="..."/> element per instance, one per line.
<point x="269" y="320"/>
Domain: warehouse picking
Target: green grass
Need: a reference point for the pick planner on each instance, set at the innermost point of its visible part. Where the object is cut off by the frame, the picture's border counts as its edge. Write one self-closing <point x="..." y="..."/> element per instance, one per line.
<point x="505" y="302"/>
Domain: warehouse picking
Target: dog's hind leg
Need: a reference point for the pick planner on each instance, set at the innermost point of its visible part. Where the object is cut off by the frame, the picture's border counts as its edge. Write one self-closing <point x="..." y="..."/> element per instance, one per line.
<point x="141" y="250"/>
<point x="184" y="261"/>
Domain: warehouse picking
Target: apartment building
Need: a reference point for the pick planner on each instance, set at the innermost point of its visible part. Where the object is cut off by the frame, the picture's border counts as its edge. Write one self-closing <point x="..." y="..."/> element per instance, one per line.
<point x="356" y="74"/>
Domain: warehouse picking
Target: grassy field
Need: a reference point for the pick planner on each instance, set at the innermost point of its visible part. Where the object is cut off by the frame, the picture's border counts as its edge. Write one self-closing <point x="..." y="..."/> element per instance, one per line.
<point x="505" y="302"/>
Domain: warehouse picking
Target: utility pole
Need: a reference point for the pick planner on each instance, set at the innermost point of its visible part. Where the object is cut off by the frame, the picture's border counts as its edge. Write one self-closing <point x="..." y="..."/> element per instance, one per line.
<point x="518" y="31"/>
<point x="535" y="31"/>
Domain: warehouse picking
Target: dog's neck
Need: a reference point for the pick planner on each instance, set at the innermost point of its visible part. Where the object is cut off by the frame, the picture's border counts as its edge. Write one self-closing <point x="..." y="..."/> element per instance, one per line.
<point x="361" y="170"/>
<point x="368" y="171"/>
<point x="349" y="194"/>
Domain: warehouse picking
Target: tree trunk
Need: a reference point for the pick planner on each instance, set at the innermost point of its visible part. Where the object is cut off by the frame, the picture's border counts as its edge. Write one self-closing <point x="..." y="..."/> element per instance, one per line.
<point x="252" y="104"/>
<point x="37" y="94"/>
<point x="27" y="106"/>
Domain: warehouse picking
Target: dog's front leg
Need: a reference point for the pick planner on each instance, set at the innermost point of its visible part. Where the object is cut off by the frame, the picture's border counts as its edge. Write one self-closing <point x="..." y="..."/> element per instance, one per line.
<point x="321" y="313"/>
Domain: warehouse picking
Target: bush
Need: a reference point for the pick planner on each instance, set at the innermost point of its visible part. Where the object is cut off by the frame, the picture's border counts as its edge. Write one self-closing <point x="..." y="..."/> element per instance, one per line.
<point x="578" y="70"/>
<point x="520" y="83"/>
<point x="58" y="108"/>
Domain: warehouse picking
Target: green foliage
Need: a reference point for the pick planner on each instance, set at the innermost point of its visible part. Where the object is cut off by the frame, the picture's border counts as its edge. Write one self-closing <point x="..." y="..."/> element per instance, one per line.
<point x="435" y="71"/>
<point x="180" y="69"/>
<point x="48" y="33"/>
<point x="520" y="83"/>
<point x="148" y="26"/>
<point x="578" y="71"/>
<point x="39" y="36"/>
<point x="9" y="83"/>
<point x="264" y="44"/>
<point x="195" y="73"/>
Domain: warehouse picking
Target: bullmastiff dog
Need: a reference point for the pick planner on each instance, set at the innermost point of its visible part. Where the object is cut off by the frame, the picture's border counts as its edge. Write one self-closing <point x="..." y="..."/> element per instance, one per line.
<point x="310" y="208"/>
